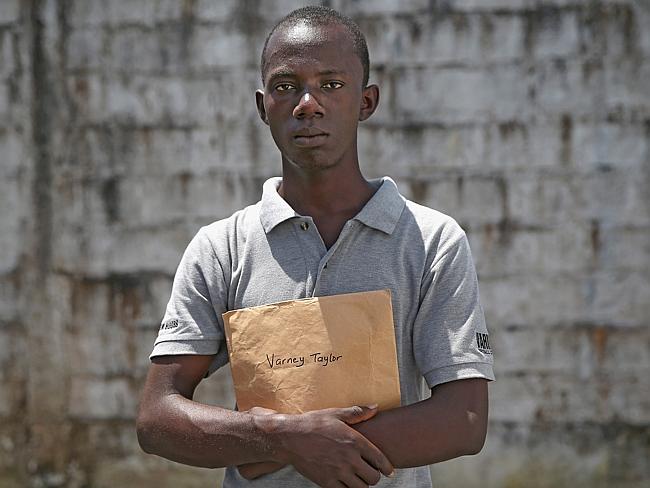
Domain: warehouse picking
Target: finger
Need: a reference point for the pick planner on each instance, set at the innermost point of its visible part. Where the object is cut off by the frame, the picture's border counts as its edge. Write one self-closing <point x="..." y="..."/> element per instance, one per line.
<point x="261" y="411"/>
<point x="369" y="474"/>
<point x="354" y="415"/>
<point x="375" y="458"/>
<point x="247" y="471"/>
<point x="251" y="471"/>
<point x="353" y="481"/>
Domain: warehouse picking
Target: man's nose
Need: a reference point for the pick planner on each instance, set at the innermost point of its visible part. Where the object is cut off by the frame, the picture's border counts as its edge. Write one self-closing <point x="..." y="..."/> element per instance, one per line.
<point x="307" y="106"/>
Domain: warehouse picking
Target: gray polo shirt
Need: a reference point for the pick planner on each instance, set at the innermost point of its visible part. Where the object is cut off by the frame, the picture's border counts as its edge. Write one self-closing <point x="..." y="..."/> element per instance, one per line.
<point x="268" y="253"/>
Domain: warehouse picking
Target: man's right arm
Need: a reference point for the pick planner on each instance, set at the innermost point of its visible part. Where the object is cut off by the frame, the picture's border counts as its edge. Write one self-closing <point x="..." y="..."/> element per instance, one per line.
<point x="320" y="445"/>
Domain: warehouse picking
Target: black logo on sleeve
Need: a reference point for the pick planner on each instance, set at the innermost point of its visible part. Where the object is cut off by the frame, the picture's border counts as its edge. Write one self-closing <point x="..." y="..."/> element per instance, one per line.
<point x="483" y="343"/>
<point x="170" y="324"/>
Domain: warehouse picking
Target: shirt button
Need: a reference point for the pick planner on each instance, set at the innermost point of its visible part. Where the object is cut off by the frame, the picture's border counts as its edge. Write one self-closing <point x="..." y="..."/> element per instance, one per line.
<point x="304" y="225"/>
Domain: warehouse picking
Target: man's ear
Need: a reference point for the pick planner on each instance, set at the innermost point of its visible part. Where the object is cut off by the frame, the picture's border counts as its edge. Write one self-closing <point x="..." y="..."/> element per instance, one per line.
<point x="259" y="101"/>
<point x="369" y="101"/>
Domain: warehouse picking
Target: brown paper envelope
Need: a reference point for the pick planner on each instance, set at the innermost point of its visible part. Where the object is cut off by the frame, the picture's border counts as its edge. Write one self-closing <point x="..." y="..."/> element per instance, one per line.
<point x="313" y="353"/>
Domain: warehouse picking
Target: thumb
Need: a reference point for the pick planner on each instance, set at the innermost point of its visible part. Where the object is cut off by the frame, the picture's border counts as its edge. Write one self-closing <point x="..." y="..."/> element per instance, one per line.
<point x="356" y="414"/>
<point x="261" y="411"/>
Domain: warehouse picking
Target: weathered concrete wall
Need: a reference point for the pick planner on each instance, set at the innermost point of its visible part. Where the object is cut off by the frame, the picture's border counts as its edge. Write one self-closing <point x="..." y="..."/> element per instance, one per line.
<point x="125" y="125"/>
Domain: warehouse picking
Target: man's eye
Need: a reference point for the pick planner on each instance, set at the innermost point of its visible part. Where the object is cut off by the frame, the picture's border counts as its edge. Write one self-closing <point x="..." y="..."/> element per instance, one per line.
<point x="283" y="86"/>
<point x="333" y="84"/>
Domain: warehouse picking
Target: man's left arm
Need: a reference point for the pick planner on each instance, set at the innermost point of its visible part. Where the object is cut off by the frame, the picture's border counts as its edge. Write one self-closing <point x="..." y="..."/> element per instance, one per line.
<point x="451" y="349"/>
<point x="449" y="424"/>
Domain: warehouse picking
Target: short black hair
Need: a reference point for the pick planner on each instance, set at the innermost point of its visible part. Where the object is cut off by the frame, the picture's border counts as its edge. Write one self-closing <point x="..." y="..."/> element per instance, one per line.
<point x="321" y="16"/>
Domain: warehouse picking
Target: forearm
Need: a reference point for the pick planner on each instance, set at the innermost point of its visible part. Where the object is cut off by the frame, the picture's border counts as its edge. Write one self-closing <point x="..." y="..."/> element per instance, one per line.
<point x="451" y="423"/>
<point x="320" y="445"/>
<point x="192" y="433"/>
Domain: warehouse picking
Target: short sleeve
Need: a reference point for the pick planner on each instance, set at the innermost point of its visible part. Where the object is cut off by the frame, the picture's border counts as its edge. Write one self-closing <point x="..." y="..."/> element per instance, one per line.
<point x="450" y="338"/>
<point x="192" y="323"/>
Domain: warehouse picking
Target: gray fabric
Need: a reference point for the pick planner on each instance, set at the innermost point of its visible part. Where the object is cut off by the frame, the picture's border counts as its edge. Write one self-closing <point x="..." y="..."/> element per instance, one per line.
<point x="267" y="253"/>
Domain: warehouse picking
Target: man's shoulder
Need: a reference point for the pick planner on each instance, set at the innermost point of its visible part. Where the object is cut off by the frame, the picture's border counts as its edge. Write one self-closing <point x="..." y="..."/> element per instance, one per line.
<point x="223" y="235"/>
<point x="432" y="223"/>
<point x="241" y="220"/>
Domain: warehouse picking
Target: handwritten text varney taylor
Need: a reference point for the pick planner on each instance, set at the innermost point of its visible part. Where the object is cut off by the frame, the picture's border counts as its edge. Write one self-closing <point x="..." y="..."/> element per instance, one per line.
<point x="298" y="361"/>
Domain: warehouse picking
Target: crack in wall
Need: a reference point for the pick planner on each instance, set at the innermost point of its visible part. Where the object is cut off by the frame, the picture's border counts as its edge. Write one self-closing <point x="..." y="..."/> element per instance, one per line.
<point x="41" y="130"/>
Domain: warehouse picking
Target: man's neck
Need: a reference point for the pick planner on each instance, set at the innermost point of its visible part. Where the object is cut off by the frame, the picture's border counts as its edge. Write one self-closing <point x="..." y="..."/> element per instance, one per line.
<point x="330" y="192"/>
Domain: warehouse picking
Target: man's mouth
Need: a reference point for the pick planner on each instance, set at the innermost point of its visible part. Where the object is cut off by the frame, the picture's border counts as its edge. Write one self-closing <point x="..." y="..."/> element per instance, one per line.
<point x="309" y="137"/>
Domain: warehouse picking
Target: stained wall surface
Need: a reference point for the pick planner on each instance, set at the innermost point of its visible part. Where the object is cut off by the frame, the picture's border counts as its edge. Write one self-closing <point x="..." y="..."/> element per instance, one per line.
<point x="125" y="125"/>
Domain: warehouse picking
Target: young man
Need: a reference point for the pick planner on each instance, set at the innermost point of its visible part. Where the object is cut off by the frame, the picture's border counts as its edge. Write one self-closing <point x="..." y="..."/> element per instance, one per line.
<point x="323" y="229"/>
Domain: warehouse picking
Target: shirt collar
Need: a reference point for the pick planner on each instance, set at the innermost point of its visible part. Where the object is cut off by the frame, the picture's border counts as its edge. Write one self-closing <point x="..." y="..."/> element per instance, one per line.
<point x="382" y="211"/>
<point x="274" y="209"/>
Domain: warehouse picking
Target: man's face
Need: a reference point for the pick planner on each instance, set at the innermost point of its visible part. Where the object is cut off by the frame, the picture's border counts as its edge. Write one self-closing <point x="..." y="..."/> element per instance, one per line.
<point x="313" y="97"/>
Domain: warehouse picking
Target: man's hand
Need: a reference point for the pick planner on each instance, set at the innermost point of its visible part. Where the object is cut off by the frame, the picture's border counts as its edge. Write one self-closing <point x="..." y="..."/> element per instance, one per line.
<point x="325" y="449"/>
<point x="350" y="416"/>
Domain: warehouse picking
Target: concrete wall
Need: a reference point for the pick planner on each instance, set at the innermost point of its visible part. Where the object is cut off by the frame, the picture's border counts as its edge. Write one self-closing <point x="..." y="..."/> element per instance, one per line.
<point x="125" y="125"/>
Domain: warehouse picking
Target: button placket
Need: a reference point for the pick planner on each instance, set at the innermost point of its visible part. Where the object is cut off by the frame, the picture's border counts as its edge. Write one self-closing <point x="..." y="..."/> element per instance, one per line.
<point x="323" y="280"/>
<point x="312" y="248"/>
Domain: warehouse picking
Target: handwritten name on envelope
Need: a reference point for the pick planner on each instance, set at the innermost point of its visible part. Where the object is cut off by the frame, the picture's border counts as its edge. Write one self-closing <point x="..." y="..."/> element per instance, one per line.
<point x="322" y="352"/>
